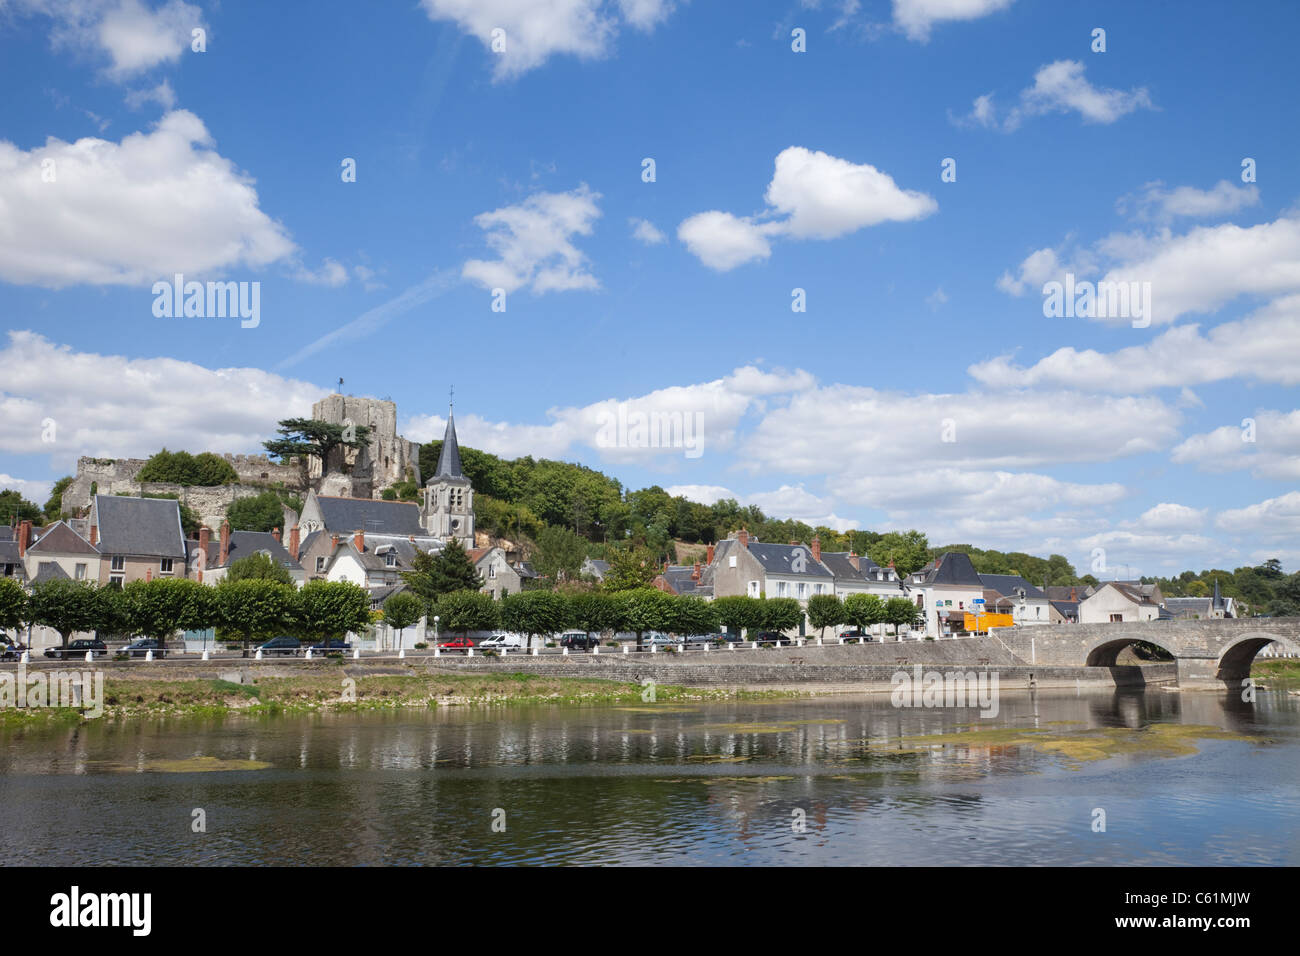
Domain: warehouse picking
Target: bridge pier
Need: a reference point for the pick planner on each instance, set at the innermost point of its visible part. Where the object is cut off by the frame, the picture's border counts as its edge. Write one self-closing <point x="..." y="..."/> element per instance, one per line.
<point x="1198" y="672"/>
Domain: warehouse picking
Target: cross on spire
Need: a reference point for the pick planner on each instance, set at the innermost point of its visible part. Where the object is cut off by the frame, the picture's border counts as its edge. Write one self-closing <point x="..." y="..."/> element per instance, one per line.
<point x="451" y="401"/>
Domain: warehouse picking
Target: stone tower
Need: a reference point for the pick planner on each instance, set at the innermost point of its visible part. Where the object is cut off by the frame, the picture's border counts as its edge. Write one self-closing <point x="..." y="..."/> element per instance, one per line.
<point x="364" y="472"/>
<point x="449" y="497"/>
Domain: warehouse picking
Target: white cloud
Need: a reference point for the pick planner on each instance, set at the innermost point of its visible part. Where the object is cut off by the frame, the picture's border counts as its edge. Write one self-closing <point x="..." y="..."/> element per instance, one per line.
<point x="133" y="36"/>
<point x="37" y="492"/>
<point x="704" y="494"/>
<point x="1168" y="516"/>
<point x="1059" y="87"/>
<point x="723" y="241"/>
<point x="1274" y="517"/>
<point x="1273" y="453"/>
<point x="916" y="17"/>
<point x="109" y="406"/>
<point x="1160" y="204"/>
<point x="536" y="30"/>
<point x="1264" y="346"/>
<point x="132" y="212"/>
<point x="643" y="230"/>
<point x="330" y="273"/>
<point x="812" y="195"/>
<point x="534" y="242"/>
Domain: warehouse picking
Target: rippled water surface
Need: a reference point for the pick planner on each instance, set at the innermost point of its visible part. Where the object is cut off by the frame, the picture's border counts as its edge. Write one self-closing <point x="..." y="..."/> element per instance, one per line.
<point x="709" y="783"/>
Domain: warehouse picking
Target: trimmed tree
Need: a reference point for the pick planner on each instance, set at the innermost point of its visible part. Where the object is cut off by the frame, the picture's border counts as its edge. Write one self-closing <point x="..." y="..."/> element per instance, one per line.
<point x="739" y="613"/>
<point x="463" y="611"/>
<point x="825" y="610"/>
<point x="781" y="614"/>
<point x="692" y="615"/>
<point x="156" y="609"/>
<point x="258" y="567"/>
<point x="593" y="611"/>
<point x="535" y="612"/>
<point x="13" y="604"/>
<point x="864" y="611"/>
<point x="900" y="611"/>
<point x="65" y="606"/>
<point x="324" y="610"/>
<point x="644" y="609"/>
<point x="401" y="611"/>
<point x="255" y="608"/>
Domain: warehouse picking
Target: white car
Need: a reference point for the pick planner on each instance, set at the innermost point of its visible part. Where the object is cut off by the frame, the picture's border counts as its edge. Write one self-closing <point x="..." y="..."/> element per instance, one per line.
<point x="503" y="639"/>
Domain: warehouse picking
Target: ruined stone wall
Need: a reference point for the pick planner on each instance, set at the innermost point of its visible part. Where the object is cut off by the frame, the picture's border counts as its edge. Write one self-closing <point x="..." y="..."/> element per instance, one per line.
<point x="387" y="457"/>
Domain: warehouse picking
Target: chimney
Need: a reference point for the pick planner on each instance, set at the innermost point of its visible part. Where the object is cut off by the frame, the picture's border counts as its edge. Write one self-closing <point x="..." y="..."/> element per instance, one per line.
<point x="334" y="541"/>
<point x="793" y="541"/>
<point x="148" y="574"/>
<point x="25" y="537"/>
<point x="1074" y="593"/>
<point x="224" y="554"/>
<point x="275" y="533"/>
<point x="205" y="538"/>
<point x="817" y="548"/>
<point x="94" y="535"/>
<point x="743" y="537"/>
<point x="695" y="575"/>
<point x="708" y="557"/>
<point x="294" y="542"/>
<point x="855" y="561"/>
<point x="359" y="540"/>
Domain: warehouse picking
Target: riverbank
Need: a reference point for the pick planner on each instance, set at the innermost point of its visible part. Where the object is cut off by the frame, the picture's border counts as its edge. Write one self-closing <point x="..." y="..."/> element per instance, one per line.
<point x="158" y="695"/>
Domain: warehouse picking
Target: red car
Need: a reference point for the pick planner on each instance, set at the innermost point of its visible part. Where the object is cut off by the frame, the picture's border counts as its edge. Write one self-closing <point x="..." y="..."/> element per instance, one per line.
<point x="458" y="642"/>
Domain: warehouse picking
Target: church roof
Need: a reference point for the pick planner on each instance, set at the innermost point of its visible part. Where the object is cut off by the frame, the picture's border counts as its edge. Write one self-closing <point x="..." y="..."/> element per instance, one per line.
<point x="371" y="515"/>
<point x="449" y="457"/>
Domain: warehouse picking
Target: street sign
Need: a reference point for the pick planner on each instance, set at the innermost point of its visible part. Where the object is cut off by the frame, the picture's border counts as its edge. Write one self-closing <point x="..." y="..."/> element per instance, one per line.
<point x="978" y="601"/>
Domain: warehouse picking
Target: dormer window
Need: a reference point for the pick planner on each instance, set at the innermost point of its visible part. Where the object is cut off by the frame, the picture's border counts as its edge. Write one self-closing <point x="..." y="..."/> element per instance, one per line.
<point x="390" y="560"/>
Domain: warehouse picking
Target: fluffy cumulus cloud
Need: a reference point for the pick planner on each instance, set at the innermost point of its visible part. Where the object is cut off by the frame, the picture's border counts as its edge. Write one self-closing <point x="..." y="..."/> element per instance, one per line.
<point x="916" y="17"/>
<point x="534" y="243"/>
<point x="131" y="35"/>
<point x="1264" y="346"/>
<point x="1192" y="273"/>
<point x="1059" y="87"/>
<point x="1276" y="518"/>
<point x="812" y="195"/>
<point x="1169" y="516"/>
<point x="536" y="30"/>
<point x="1267" y="443"/>
<point x="111" y="406"/>
<point x="645" y="231"/>
<point x="157" y="203"/>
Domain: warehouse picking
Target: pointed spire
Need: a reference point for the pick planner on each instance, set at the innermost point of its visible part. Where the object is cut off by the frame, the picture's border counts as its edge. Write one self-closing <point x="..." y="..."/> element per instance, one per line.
<point x="449" y="457"/>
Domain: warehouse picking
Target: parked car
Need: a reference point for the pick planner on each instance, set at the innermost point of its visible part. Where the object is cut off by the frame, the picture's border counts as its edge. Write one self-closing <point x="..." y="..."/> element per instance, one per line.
<point x="502" y="639"/>
<point x="856" y="637"/>
<point x="459" y="642"/>
<point x="702" y="638"/>
<point x="281" y="647"/>
<point x="773" y="637"/>
<point x="578" y="640"/>
<point x="731" y="637"/>
<point x="11" y="650"/>
<point x="332" y="646"/>
<point x="658" y="639"/>
<point x="77" y="648"/>
<point x="143" y="646"/>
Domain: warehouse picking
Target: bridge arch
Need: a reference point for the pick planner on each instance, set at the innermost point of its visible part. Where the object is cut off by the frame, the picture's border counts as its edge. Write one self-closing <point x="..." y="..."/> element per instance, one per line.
<point x="1106" y="653"/>
<point x="1236" y="660"/>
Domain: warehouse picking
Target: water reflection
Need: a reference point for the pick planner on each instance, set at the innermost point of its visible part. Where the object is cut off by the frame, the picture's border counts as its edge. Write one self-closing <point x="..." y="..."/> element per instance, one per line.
<point x="712" y="783"/>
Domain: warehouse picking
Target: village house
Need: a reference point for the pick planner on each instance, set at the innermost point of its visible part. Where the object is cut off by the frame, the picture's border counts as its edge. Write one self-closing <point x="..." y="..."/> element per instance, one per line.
<point x="745" y="566"/>
<point x="1122" y="601"/>
<point x="210" y="560"/>
<point x="1012" y="594"/>
<point x="138" y="539"/>
<point x="946" y="589"/>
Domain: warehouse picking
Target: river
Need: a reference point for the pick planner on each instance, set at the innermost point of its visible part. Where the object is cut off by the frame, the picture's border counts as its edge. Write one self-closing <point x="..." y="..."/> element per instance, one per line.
<point x="1181" y="778"/>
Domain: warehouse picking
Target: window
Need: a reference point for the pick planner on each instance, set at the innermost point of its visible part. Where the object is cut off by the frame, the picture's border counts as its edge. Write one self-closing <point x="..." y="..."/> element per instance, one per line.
<point x="390" y="560"/>
<point x="731" y="561"/>
<point x="165" y="566"/>
<point x="118" y="564"/>
<point x="803" y="590"/>
<point x="80" y="572"/>
<point x="320" y="564"/>
<point x="753" y="589"/>
<point x="1117" y="618"/>
<point x="780" y="589"/>
<point x="492" y="570"/>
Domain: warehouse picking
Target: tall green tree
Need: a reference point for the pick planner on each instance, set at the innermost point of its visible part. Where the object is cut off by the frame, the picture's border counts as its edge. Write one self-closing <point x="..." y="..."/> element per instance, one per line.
<point x="261" y="512"/>
<point x="739" y="613"/>
<point x="259" y="567"/>
<point x="300" y="437"/>
<point x="433" y="575"/>
<point x="54" y="504"/>
<point x="692" y="615"/>
<point x="13" y="604"/>
<point x="864" y="611"/>
<point x="900" y="611"/>
<point x="908" y="550"/>
<point x="14" y="508"/>
<point x="644" y="609"/>
<point x="559" y="553"/>
<point x="182" y="468"/>
<point x="781" y="614"/>
<point x="630" y="568"/>
<point x="158" y="608"/>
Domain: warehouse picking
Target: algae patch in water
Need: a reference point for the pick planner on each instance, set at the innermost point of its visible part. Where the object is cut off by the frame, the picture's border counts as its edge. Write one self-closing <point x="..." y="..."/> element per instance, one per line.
<point x="719" y="758"/>
<point x="759" y="727"/>
<point x="1155" y="740"/>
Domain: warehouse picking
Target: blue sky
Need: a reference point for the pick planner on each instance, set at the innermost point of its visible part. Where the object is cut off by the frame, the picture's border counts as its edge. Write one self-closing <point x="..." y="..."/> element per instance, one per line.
<point x="775" y="170"/>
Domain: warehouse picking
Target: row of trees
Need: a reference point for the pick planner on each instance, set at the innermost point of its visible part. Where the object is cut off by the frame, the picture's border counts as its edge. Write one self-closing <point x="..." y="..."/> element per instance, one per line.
<point x="246" y="610"/>
<point x="862" y="611"/>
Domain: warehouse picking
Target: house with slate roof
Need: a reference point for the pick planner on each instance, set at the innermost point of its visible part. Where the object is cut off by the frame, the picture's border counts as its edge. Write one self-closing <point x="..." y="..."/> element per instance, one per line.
<point x="683" y="579"/>
<point x="1116" y="601"/>
<point x="210" y="560"/>
<point x="744" y="566"/>
<point x="11" y="559"/>
<point x="858" y="574"/>
<point x="946" y="589"/>
<point x="1017" y="597"/>
<point x="137" y="538"/>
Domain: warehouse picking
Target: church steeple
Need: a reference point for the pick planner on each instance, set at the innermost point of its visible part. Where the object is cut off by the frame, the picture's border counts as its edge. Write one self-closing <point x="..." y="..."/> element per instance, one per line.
<point x="449" y="457"/>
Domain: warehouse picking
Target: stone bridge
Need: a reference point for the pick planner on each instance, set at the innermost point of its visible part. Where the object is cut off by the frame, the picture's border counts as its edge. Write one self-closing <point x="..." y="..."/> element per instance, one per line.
<point x="1211" y="651"/>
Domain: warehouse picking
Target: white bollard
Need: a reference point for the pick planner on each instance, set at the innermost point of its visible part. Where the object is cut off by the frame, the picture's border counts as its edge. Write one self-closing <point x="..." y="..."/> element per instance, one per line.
<point x="536" y="651"/>
<point x="205" y="655"/>
<point x="148" y="656"/>
<point x="626" y="649"/>
<point x="356" y="653"/>
<point x="564" y="651"/>
<point x="401" y="654"/>
<point x="595" y="648"/>
<point x="654" y="648"/>
<point x="469" y="652"/>
<point x="90" y="655"/>
<point x="25" y="657"/>
<point x="731" y="646"/>
<point x="437" y="651"/>
<point x="505" y="651"/>
<point x="258" y="655"/>
<point x="706" y="647"/>
<point x="307" y="656"/>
